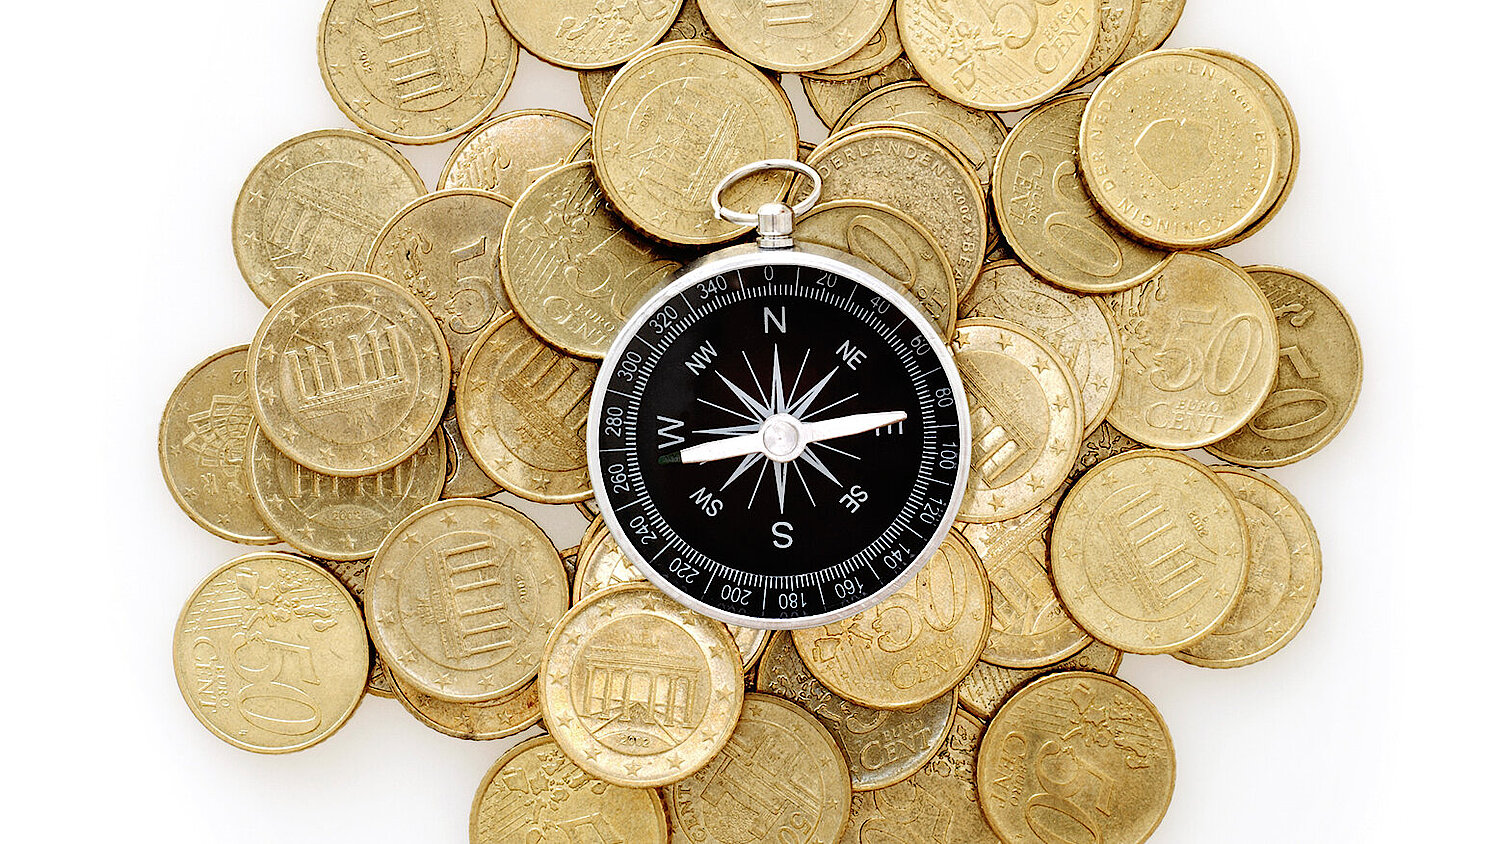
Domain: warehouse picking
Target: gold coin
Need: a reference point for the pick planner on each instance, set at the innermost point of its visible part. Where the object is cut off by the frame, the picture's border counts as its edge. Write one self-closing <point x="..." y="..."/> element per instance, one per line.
<point x="444" y="248"/>
<point x="638" y="690"/>
<point x="1317" y="382"/>
<point x="689" y="26"/>
<point x="893" y="242"/>
<point x="572" y="270"/>
<point x="976" y="135"/>
<point x="1201" y="353"/>
<point x="883" y="747"/>
<point x="883" y="48"/>
<point x="1076" y="754"/>
<point x="314" y="205"/>
<point x="585" y="34"/>
<point x="781" y="778"/>
<point x="798" y="35"/>
<point x="461" y="597"/>
<point x="341" y="518"/>
<point x="419" y="72"/>
<point x="1117" y="19"/>
<point x="1028" y="626"/>
<point x="465" y="479"/>
<point x="917" y="174"/>
<point x="534" y="794"/>
<point x="350" y="374"/>
<point x="492" y="719"/>
<point x="512" y="150"/>
<point x="270" y="653"/>
<point x="937" y="806"/>
<point x="1027" y="416"/>
<point x="1179" y="150"/>
<point x="1103" y="443"/>
<point x="1286" y="569"/>
<point x="202" y="444"/>
<point x="1152" y="27"/>
<point x="1149" y="552"/>
<point x="1047" y="216"/>
<point x="988" y="686"/>
<point x="830" y="99"/>
<point x="522" y="408"/>
<point x="677" y="120"/>
<point x="1078" y="328"/>
<point x="352" y="575"/>
<point x="1002" y="57"/>
<point x="914" y="646"/>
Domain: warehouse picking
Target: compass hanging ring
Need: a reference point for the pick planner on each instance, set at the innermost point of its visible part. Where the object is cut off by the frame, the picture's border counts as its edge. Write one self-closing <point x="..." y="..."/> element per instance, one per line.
<point x="774" y="220"/>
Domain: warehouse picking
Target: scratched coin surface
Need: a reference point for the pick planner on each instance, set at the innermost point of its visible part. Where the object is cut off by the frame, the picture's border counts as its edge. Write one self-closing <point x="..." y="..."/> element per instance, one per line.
<point x="270" y="653"/>
<point x="314" y="205"/>
<point x="464" y="479"/>
<point x="831" y="98"/>
<point x="341" y="518"/>
<point x="883" y="48"/>
<point x="988" y="686"/>
<point x="445" y="249"/>
<point x="1318" y="378"/>
<point x="893" y="242"/>
<point x="572" y="270"/>
<point x="522" y="408"/>
<point x="883" y="747"/>
<point x="639" y="690"/>
<point x="487" y="721"/>
<point x="999" y="57"/>
<point x="461" y="597"/>
<point x="1047" y="216"/>
<point x="350" y="374"/>
<point x="1286" y="569"/>
<point x="939" y="805"/>
<point x="1201" y="353"/>
<point x="352" y="575"/>
<point x="512" y="150"/>
<point x="975" y="134"/>
<point x="914" y="646"/>
<point x="203" y="443"/>
<point x="583" y="34"/>
<point x="415" y="72"/>
<point x="1149" y="552"/>
<point x="1179" y="150"/>
<point x="1117" y="20"/>
<point x="782" y="777"/>
<point x="1078" y="328"/>
<point x="795" y="36"/>
<point x="673" y="123"/>
<point x="1076" y="756"/>
<point x="1152" y="26"/>
<point x="534" y="794"/>
<point x="1027" y="416"/>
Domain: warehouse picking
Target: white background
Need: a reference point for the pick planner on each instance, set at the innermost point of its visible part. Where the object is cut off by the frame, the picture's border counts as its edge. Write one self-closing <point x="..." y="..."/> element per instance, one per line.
<point x="128" y="130"/>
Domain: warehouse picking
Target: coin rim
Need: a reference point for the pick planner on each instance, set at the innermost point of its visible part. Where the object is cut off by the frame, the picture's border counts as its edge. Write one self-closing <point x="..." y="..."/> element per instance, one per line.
<point x="496" y="120"/>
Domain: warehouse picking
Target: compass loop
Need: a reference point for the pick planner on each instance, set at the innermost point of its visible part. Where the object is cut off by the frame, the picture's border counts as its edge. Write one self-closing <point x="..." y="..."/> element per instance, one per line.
<point x="773" y="220"/>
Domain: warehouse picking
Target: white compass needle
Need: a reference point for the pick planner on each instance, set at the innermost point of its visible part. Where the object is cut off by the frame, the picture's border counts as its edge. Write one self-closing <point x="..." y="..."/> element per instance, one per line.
<point x="806" y="434"/>
<point x="848" y="426"/>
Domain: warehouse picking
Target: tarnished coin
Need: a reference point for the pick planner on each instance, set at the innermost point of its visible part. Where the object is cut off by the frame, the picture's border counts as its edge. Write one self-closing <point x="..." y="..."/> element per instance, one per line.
<point x="584" y="34"/>
<point x="988" y="686"/>
<point x="915" y="173"/>
<point x="353" y="574"/>
<point x="445" y="249"/>
<point x="350" y="374"/>
<point x="464" y="479"/>
<point x="1149" y="552"/>
<point x="893" y="242"/>
<point x="1317" y="382"/>
<point x="675" y="122"/>
<point x="976" y="135"/>
<point x="689" y="26"/>
<point x="1028" y="626"/>
<point x="1201" y="353"/>
<point x="883" y="48"/>
<point x="203" y="443"/>
<point x="512" y="150"/>
<point x="572" y="270"/>
<point x="937" y="806"/>
<point x="1027" y="417"/>
<point x="1076" y="754"/>
<point x="522" y="407"/>
<point x="1078" y="328"/>
<point x="1179" y="150"/>
<point x="341" y="518"/>
<point x="415" y="73"/>
<point x="1047" y="216"/>
<point x="1286" y="569"/>
<point x="1117" y="20"/>
<point x="639" y="690"/>
<point x="797" y="35"/>
<point x="270" y="653"/>
<point x="914" y="646"/>
<point x="314" y="206"/>
<point x="492" y="719"/>
<point x="461" y="597"/>
<point x="883" y="747"/>
<point x="830" y="99"/>
<point x="1001" y="57"/>
<point x="534" y="794"/>
<point x="1152" y="27"/>
<point x="781" y="778"/>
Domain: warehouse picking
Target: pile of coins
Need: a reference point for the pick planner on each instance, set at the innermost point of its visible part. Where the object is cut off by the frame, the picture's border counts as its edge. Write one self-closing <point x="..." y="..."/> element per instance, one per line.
<point x="425" y="352"/>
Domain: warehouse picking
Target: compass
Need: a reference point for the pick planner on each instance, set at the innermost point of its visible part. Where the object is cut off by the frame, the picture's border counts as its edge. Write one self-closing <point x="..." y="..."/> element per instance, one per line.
<point x="778" y="438"/>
